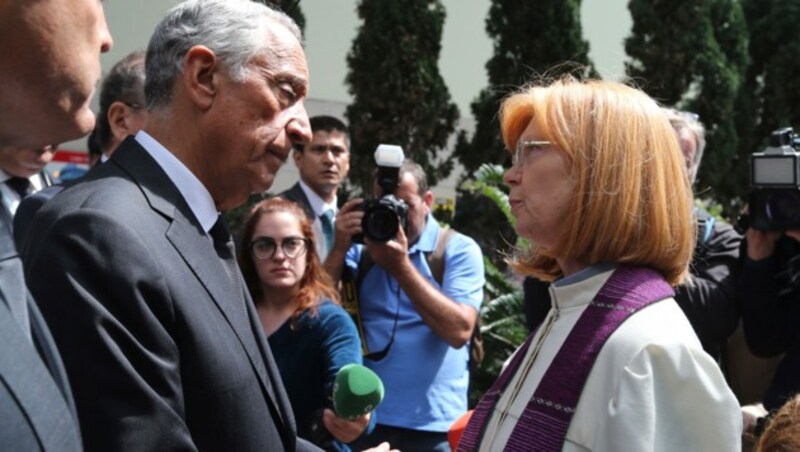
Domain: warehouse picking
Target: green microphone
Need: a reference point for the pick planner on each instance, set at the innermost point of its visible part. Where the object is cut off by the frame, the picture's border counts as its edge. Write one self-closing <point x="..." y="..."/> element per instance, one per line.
<point x="356" y="391"/>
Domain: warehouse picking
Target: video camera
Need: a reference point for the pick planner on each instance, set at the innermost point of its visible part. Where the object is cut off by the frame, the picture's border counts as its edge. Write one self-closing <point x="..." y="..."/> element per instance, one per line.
<point x="775" y="177"/>
<point x="384" y="216"/>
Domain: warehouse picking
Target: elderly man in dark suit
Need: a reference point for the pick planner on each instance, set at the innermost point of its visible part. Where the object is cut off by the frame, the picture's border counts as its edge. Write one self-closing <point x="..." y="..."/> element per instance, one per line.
<point x="134" y="267"/>
<point x="51" y="51"/>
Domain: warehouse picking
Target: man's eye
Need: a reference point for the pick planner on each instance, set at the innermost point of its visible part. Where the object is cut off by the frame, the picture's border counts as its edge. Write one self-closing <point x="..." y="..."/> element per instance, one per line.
<point x="289" y="95"/>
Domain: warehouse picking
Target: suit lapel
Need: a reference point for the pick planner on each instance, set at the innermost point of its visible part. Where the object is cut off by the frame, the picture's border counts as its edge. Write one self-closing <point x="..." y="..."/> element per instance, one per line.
<point x="197" y="250"/>
<point x="297" y="195"/>
<point x="198" y="253"/>
<point x="25" y="376"/>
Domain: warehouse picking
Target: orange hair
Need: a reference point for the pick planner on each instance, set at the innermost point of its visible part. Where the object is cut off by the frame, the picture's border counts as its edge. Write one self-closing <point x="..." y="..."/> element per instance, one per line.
<point x="633" y="202"/>
<point x="315" y="285"/>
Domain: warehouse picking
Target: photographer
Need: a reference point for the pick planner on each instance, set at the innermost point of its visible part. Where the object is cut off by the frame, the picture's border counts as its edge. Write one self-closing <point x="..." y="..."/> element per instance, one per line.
<point x="770" y="300"/>
<point x="415" y="324"/>
<point x="769" y="279"/>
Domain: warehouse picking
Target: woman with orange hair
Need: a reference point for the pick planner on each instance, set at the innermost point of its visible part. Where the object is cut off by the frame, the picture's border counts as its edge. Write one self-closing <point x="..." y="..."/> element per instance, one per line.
<point x="310" y="335"/>
<point x="599" y="189"/>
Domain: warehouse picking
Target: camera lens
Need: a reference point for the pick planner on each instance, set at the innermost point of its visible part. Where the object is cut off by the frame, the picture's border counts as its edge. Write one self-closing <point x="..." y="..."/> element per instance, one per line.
<point x="380" y="223"/>
<point x="783" y="208"/>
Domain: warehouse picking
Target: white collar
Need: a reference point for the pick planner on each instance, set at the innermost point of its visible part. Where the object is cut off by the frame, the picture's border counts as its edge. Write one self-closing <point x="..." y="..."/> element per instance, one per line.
<point x="193" y="191"/>
<point x="318" y="205"/>
<point x="580" y="288"/>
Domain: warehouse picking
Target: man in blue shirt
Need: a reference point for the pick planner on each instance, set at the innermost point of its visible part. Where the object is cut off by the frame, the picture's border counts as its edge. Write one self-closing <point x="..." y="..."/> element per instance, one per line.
<point x="419" y="326"/>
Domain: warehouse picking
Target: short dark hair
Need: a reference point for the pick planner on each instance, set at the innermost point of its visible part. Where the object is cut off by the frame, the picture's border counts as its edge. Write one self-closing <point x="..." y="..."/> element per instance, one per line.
<point x="93" y="145"/>
<point x="418" y="173"/>
<point x="328" y="124"/>
<point x="125" y="83"/>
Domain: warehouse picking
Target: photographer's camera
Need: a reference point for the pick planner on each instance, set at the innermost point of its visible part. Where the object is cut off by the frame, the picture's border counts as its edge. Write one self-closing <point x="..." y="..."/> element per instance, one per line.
<point x="383" y="217"/>
<point x="774" y="204"/>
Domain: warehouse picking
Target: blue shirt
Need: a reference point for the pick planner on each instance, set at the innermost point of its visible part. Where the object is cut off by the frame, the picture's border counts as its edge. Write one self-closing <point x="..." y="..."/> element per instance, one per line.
<point x="309" y="357"/>
<point x="425" y="379"/>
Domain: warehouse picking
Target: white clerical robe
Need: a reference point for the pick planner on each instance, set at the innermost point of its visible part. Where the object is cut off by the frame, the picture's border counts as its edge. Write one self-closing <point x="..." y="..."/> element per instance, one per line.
<point x="652" y="388"/>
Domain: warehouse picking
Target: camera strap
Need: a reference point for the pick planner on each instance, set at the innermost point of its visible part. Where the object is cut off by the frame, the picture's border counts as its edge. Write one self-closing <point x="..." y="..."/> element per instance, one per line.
<point x="351" y="287"/>
<point x="705" y="226"/>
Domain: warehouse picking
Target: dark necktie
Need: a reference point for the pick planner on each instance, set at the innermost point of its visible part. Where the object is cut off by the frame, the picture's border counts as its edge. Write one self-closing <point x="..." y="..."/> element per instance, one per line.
<point x="223" y="245"/>
<point x="326" y="220"/>
<point x="21" y="185"/>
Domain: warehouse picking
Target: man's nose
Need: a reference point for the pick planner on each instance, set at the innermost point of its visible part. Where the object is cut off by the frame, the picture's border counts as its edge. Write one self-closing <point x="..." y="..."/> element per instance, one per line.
<point x="299" y="128"/>
<point x="106" y="41"/>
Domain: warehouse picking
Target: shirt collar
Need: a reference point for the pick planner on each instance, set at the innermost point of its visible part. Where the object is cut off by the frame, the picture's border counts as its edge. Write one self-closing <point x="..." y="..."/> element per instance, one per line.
<point x="318" y="205"/>
<point x="580" y="288"/>
<point x="427" y="240"/>
<point x="37" y="180"/>
<point x="193" y="191"/>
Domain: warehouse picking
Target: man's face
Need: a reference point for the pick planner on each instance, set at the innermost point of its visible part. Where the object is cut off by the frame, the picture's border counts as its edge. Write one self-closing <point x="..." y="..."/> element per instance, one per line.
<point x="51" y="65"/>
<point x="418" y="206"/>
<point x="255" y="122"/>
<point x="24" y="162"/>
<point x="688" y="145"/>
<point x="324" y="162"/>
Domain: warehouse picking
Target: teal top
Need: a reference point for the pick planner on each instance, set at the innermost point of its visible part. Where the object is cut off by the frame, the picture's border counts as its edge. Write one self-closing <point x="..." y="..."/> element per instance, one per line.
<point x="309" y="357"/>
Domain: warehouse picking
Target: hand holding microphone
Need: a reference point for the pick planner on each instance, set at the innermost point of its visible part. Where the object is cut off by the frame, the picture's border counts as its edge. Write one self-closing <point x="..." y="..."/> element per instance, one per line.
<point x="357" y="391"/>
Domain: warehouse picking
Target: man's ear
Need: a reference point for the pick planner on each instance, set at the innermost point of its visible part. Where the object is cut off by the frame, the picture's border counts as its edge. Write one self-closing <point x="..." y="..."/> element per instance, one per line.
<point x="201" y="76"/>
<point x="428" y="199"/>
<point x="118" y="114"/>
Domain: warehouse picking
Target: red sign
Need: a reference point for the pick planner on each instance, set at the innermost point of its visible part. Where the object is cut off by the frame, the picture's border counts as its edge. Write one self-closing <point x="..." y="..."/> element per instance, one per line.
<point x="77" y="157"/>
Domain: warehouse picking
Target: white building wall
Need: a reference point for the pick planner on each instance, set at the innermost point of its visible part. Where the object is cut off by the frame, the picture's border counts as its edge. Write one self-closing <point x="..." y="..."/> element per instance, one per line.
<point x="331" y="26"/>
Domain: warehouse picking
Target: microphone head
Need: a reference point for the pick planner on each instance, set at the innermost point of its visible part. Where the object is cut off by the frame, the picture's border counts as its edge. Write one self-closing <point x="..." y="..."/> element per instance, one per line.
<point x="356" y="391"/>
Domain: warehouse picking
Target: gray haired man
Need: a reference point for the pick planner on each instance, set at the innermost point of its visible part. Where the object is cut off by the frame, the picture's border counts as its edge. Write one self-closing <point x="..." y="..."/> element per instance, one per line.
<point x="133" y="266"/>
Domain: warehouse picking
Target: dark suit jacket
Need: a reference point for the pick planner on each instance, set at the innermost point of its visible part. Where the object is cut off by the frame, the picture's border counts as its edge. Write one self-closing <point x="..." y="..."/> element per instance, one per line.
<point x="296" y="194"/>
<point x="29" y="206"/>
<point x="163" y="352"/>
<point x="36" y="408"/>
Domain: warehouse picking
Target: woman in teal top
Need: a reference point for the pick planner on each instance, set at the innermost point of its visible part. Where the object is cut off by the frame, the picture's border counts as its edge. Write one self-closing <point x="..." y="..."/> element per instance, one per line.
<point x="311" y="336"/>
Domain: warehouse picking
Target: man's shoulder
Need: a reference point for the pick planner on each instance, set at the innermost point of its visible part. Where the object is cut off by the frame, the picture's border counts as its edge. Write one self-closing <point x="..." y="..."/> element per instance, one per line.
<point x="461" y="243"/>
<point x="295" y="193"/>
<point x="110" y="189"/>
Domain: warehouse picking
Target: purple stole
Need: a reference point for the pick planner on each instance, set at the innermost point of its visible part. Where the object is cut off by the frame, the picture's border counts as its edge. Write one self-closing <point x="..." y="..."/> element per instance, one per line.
<point x="545" y="420"/>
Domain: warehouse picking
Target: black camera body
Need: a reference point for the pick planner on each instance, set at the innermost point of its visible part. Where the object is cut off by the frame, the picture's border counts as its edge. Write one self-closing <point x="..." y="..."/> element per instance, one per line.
<point x="774" y="204"/>
<point x="383" y="217"/>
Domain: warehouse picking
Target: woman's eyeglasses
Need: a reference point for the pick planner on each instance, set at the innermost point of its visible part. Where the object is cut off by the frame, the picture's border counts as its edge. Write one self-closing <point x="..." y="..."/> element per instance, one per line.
<point x="524" y="148"/>
<point x="265" y="247"/>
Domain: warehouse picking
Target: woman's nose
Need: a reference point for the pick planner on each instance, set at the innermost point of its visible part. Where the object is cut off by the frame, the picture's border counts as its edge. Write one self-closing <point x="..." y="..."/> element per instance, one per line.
<point x="511" y="176"/>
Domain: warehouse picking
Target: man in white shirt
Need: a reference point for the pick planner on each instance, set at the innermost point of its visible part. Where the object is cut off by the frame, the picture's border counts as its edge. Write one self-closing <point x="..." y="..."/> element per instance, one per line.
<point x="323" y="165"/>
<point x="22" y="173"/>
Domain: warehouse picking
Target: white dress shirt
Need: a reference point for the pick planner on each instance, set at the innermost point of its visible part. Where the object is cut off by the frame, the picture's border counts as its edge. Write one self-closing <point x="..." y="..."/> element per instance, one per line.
<point x="319" y="206"/>
<point x="11" y="198"/>
<point x="193" y="191"/>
